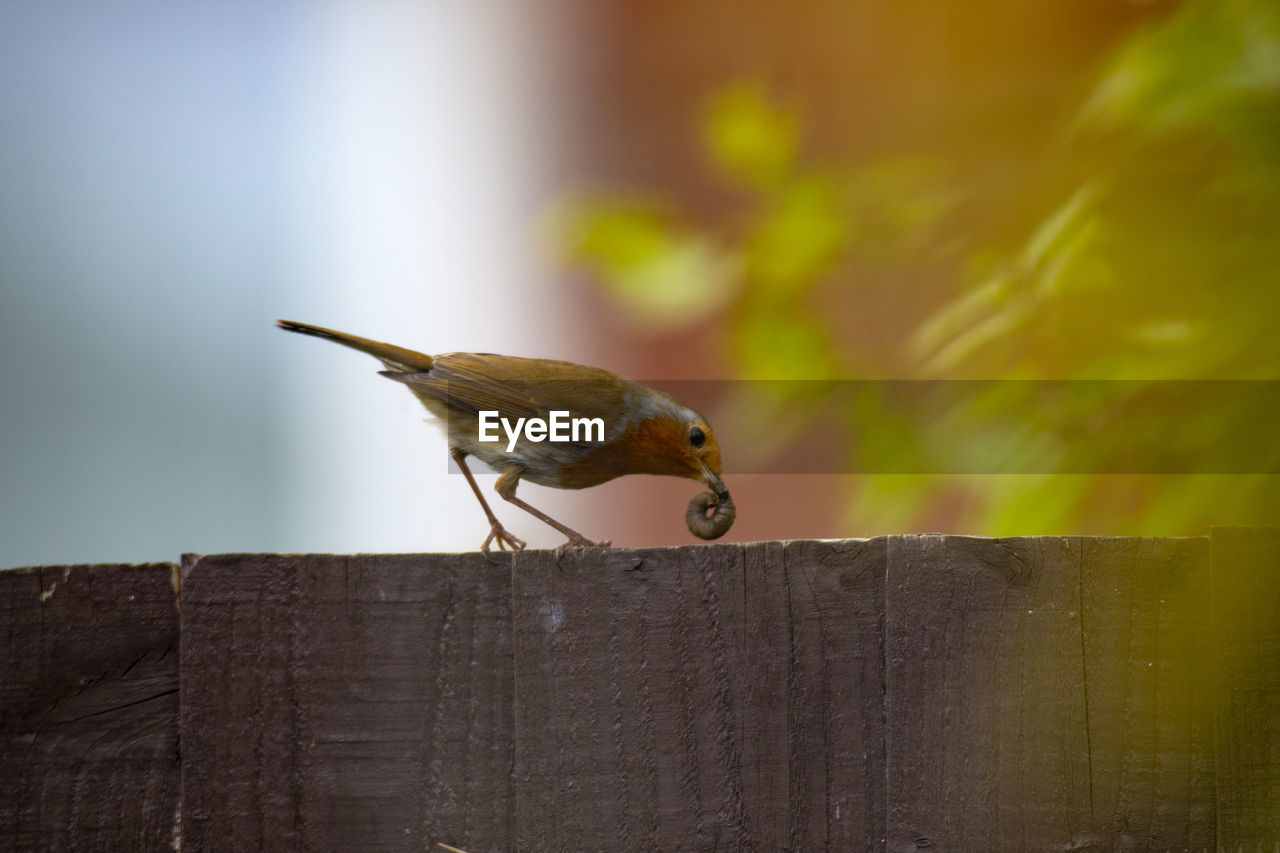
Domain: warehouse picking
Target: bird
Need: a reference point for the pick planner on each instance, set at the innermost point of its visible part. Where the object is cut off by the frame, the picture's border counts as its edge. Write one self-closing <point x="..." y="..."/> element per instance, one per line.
<point x="477" y="398"/>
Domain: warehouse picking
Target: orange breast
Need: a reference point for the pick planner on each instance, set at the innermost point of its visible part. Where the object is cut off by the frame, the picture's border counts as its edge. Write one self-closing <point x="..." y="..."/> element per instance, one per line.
<point x="648" y="446"/>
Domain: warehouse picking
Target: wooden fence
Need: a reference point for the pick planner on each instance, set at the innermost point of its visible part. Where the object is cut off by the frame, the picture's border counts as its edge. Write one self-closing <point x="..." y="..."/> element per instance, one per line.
<point x="899" y="693"/>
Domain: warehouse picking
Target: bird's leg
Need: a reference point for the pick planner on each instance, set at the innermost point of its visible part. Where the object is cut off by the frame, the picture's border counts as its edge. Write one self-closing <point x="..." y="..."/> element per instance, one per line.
<point x="506" y="486"/>
<point x="496" y="530"/>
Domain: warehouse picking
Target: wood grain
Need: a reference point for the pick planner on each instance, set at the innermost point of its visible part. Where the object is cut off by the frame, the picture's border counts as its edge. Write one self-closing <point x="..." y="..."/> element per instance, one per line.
<point x="702" y="698"/>
<point x="987" y="738"/>
<point x="1246" y="685"/>
<point x="1048" y="693"/>
<point x="901" y="693"/>
<point x="1145" y="627"/>
<point x="347" y="703"/>
<point x="89" y="708"/>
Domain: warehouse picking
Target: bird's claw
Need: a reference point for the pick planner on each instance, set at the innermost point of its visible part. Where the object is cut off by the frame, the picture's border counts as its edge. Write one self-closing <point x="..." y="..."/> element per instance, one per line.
<point x="580" y="542"/>
<point x="499" y="534"/>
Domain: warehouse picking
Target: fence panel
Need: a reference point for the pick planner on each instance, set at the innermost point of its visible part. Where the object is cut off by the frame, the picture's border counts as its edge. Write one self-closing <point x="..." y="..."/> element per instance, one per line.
<point x="724" y="697"/>
<point x="347" y="703"/>
<point x="900" y="693"/>
<point x="89" y="708"/>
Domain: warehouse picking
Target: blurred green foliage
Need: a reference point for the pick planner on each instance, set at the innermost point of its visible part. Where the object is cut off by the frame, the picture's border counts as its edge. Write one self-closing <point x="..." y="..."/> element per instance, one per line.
<point x="1160" y="261"/>
<point x="662" y="272"/>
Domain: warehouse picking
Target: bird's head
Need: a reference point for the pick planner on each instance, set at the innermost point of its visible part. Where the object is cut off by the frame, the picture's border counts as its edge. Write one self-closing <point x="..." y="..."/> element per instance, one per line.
<point x="700" y="454"/>
<point x="676" y="441"/>
<point x="703" y="463"/>
<point x="681" y="443"/>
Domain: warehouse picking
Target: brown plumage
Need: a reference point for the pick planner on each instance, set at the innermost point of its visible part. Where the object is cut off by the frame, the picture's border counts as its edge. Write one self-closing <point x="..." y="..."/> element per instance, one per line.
<point x="643" y="431"/>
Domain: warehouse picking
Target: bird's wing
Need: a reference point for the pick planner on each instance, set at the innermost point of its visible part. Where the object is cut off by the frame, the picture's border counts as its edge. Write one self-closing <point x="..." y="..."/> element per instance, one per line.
<point x="516" y="387"/>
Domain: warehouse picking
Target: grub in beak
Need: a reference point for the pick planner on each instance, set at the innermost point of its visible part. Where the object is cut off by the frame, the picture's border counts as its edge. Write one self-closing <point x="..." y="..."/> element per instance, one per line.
<point x="723" y="512"/>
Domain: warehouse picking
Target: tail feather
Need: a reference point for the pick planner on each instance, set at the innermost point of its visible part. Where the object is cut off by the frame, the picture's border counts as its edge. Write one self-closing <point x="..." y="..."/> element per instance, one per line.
<point x="394" y="357"/>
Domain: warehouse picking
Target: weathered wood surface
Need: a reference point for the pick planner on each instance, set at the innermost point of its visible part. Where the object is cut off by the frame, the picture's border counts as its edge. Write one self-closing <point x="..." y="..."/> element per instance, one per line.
<point x="1246" y="677"/>
<point x="701" y="698"/>
<point x="907" y="692"/>
<point x="347" y="703"/>
<point x="88" y="708"/>
<point x="1049" y="693"/>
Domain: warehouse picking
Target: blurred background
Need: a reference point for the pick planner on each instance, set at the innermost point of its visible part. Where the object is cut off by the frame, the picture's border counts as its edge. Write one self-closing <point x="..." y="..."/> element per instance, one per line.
<point x="1078" y="191"/>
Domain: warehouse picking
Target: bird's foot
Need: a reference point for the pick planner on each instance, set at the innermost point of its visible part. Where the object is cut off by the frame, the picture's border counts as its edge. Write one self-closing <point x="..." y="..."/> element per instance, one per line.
<point x="499" y="534"/>
<point x="576" y="541"/>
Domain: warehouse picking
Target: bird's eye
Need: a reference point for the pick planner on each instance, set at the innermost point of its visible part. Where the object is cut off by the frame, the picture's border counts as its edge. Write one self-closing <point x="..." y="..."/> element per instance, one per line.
<point x="696" y="437"/>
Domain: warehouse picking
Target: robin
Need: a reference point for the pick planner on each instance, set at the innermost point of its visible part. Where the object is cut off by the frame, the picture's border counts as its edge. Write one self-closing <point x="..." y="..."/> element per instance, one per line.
<point x="556" y="424"/>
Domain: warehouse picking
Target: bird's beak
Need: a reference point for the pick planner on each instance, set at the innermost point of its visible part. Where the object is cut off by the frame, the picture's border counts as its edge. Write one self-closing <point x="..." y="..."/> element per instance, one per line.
<point x="713" y="480"/>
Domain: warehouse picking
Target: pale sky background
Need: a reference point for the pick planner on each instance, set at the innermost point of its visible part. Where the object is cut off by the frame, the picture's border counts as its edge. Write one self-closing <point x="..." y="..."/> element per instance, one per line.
<point x="178" y="176"/>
